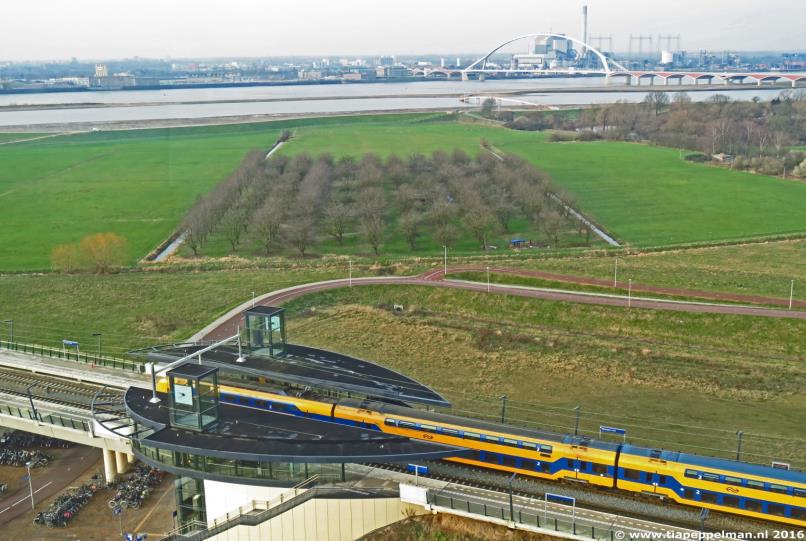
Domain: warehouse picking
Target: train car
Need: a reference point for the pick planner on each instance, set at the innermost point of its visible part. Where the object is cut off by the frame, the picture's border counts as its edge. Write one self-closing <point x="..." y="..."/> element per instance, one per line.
<point x="493" y="446"/>
<point x="723" y="485"/>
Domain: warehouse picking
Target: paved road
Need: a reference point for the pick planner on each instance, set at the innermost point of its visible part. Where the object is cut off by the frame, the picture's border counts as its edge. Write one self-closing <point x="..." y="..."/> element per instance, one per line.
<point x="47" y="482"/>
<point x="228" y="324"/>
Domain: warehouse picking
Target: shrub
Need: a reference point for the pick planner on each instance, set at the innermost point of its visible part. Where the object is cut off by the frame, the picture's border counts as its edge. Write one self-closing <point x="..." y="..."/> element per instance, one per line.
<point x="103" y="251"/>
<point x="65" y="258"/>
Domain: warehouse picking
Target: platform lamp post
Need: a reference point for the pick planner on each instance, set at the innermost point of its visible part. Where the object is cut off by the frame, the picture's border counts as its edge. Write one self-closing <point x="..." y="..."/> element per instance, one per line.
<point x="30" y="482"/>
<point x="31" y="400"/>
<point x="739" y="435"/>
<point x="615" y="274"/>
<point x="99" y="343"/>
<point x="351" y="273"/>
<point x="488" y="279"/>
<point x="10" y="330"/>
<point x="576" y="422"/>
<point x="445" y="266"/>
<point x="511" y="503"/>
<point x="503" y="399"/>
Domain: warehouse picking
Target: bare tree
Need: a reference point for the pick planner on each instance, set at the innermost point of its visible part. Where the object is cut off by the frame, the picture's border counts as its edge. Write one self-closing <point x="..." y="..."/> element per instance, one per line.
<point x="552" y="224"/>
<point x="268" y="221"/>
<point x="372" y="226"/>
<point x="66" y="258"/>
<point x="337" y="218"/>
<point x="446" y="234"/>
<point x="481" y="223"/>
<point x="410" y="224"/>
<point x="301" y="234"/>
<point x="103" y="251"/>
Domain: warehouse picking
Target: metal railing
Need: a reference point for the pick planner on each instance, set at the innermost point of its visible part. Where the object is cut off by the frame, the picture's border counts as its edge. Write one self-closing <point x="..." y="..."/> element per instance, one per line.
<point x="528" y="517"/>
<point x="258" y="512"/>
<point x="55" y="419"/>
<point x="76" y="356"/>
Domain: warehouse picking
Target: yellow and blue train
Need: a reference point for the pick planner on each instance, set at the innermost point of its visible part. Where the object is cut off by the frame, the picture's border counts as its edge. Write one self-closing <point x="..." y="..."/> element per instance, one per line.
<point x="729" y="486"/>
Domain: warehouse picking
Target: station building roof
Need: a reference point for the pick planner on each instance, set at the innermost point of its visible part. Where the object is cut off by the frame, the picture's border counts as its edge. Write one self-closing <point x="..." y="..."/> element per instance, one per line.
<point x="252" y="434"/>
<point x="318" y="368"/>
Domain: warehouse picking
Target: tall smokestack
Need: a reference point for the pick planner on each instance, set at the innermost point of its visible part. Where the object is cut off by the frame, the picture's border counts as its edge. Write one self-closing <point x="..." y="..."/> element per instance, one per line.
<point x="584" y="29"/>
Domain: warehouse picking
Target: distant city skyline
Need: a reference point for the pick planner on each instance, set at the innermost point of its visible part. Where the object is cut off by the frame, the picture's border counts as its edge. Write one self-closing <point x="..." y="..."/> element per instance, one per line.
<point x="99" y="29"/>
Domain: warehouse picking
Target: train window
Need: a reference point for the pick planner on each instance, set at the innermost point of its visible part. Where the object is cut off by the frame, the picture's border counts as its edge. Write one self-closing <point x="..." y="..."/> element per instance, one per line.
<point x="775" y="509"/>
<point x="599" y="469"/>
<point x="509" y="461"/>
<point x="583" y="466"/>
<point x="527" y="464"/>
<point x="689" y="493"/>
<point x="800" y="493"/>
<point x="634" y="475"/>
<point x="428" y="428"/>
<point x="546" y="449"/>
<point x="450" y="432"/>
<point x="733" y="481"/>
<point x="475" y="455"/>
<point x="730" y="501"/>
<point x="661" y="479"/>
<point x="543" y="466"/>
<point x="692" y="474"/>
<point x="471" y="436"/>
<point x="510" y="442"/>
<point x="492" y="458"/>
<point x="799" y="513"/>
<point x="530" y="445"/>
<point x="406" y="424"/>
<point x="781" y="489"/>
<point x="390" y="422"/>
<point x="708" y="497"/>
<point x="752" y="505"/>
<point x="758" y="485"/>
<point x="710" y="477"/>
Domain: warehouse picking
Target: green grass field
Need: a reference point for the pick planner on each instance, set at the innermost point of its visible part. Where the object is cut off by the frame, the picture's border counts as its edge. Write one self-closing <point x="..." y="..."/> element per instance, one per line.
<point x="139" y="183"/>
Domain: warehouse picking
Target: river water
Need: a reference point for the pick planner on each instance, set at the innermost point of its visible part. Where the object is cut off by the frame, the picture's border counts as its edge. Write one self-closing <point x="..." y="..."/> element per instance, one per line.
<point x="144" y="105"/>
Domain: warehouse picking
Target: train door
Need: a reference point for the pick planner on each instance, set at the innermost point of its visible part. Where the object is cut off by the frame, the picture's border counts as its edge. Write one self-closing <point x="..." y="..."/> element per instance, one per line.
<point x="657" y="480"/>
<point x="574" y="465"/>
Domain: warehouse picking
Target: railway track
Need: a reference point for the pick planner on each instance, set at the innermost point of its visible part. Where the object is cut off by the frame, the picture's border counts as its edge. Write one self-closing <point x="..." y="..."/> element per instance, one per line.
<point x="49" y="389"/>
<point x="647" y="508"/>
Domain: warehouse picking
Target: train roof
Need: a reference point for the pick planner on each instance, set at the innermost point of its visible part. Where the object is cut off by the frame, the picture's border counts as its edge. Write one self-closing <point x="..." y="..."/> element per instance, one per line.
<point x="260" y="435"/>
<point x="757" y="470"/>
<point x="483" y="426"/>
<point x="313" y="367"/>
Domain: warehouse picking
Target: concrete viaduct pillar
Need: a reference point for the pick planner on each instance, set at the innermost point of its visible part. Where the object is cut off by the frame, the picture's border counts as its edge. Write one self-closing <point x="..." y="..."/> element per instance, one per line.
<point x="121" y="463"/>
<point x="109" y="465"/>
<point x="130" y="458"/>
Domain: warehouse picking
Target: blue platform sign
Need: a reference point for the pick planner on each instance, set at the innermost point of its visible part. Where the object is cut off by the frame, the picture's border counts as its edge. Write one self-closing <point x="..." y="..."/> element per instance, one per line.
<point x="419" y="470"/>
<point x="70" y="343"/>
<point x="558" y="498"/>
<point x="612" y="430"/>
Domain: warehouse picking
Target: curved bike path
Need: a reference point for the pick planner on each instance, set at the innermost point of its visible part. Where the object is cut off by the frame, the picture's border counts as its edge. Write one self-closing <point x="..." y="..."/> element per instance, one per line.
<point x="228" y="324"/>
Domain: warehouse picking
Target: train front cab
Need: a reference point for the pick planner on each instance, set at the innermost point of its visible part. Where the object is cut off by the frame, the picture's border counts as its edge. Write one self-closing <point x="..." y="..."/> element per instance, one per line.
<point x="721" y="485"/>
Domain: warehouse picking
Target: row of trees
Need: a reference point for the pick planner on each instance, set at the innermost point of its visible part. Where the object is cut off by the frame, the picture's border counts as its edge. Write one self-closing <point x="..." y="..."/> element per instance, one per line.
<point x="758" y="135"/>
<point x="101" y="253"/>
<point x="295" y="203"/>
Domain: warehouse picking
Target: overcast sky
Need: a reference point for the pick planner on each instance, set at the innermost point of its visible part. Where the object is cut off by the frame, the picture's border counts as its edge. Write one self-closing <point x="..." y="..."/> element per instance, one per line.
<point x="93" y="29"/>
